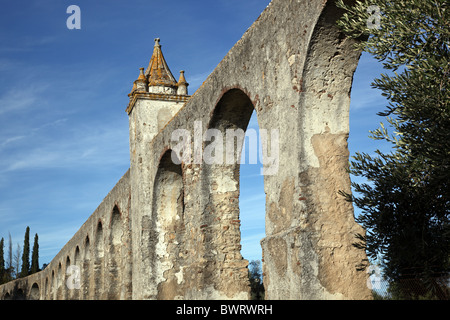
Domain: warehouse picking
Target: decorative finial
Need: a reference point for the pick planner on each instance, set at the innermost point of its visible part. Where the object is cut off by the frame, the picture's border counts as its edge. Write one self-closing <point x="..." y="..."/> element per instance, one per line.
<point x="182" y="84"/>
<point x="182" y="79"/>
<point x="140" y="84"/>
<point x="157" y="40"/>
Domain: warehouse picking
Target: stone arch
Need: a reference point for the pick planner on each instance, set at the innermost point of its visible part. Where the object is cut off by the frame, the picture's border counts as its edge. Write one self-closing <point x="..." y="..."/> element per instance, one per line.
<point x="86" y="271"/>
<point x="53" y="287"/>
<point x="19" y="294"/>
<point x="168" y="215"/>
<point x="78" y="264"/>
<point x="77" y="256"/>
<point x="67" y="293"/>
<point x="115" y="254"/>
<point x="221" y="176"/>
<point x="98" y="272"/>
<point x="7" y="296"/>
<point x="35" y="292"/>
<point x="310" y="232"/>
<point x="59" y="282"/>
<point x="46" y="288"/>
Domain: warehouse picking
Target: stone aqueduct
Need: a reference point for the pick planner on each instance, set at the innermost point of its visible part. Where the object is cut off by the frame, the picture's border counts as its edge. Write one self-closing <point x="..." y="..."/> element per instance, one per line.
<point x="172" y="231"/>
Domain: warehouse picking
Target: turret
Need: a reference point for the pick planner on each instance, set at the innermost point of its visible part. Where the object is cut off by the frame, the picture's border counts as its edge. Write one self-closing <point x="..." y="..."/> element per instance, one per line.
<point x="154" y="100"/>
<point x="182" y="85"/>
<point x="141" y="84"/>
<point x="158" y="78"/>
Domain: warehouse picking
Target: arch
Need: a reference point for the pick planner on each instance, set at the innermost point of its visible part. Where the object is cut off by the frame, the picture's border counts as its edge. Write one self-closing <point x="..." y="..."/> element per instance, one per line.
<point x="98" y="272"/>
<point x="53" y="286"/>
<point x="78" y="264"/>
<point x="168" y="213"/>
<point x="99" y="241"/>
<point x="116" y="226"/>
<point x="46" y="289"/>
<point x="115" y="255"/>
<point x="77" y="256"/>
<point x="34" y="292"/>
<point x="324" y="101"/>
<point x="85" y="280"/>
<point x="19" y="294"/>
<point x="66" y="291"/>
<point x="229" y="122"/>
<point x="59" y="282"/>
<point x="87" y="249"/>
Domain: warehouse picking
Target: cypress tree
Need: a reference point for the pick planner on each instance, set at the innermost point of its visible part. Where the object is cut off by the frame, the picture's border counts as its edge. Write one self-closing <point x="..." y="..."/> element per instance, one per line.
<point x="26" y="255"/>
<point x="2" y="262"/>
<point x="35" y="256"/>
<point x="10" y="269"/>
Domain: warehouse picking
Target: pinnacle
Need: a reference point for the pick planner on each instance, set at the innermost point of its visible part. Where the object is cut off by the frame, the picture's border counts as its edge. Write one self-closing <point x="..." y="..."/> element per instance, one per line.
<point x="158" y="72"/>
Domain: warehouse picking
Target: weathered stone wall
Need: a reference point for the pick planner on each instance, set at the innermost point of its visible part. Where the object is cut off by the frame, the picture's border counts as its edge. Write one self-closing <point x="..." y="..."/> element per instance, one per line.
<point x="295" y="69"/>
<point x="101" y="249"/>
<point x="172" y="231"/>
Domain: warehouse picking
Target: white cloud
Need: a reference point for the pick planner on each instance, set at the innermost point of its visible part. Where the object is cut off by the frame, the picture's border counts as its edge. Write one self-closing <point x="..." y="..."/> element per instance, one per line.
<point x="10" y="140"/>
<point x="105" y="146"/>
<point x="18" y="99"/>
<point x="26" y="44"/>
<point x="196" y="80"/>
<point x="366" y="97"/>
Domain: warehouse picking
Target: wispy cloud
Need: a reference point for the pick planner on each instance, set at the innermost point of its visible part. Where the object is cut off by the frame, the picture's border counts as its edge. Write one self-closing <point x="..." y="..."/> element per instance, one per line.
<point x="366" y="97"/>
<point x="10" y="140"/>
<point x="102" y="146"/>
<point x="27" y="44"/>
<point x="196" y="80"/>
<point x="17" y="99"/>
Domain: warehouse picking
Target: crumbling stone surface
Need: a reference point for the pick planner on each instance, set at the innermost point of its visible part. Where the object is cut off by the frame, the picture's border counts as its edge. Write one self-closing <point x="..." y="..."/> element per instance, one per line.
<point x="170" y="228"/>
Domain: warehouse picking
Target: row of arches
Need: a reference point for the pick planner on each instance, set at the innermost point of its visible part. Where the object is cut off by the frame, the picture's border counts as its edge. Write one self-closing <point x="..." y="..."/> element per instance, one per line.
<point x="94" y="270"/>
<point x="218" y="242"/>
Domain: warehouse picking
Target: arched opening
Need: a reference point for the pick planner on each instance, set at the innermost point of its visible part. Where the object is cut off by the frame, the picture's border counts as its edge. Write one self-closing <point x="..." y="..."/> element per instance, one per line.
<point x="252" y="207"/>
<point x="227" y="130"/>
<point x="59" y="282"/>
<point x="46" y="291"/>
<point x="86" y="269"/>
<point x="77" y="273"/>
<point x="34" y="292"/>
<point x="19" y="295"/>
<point x="53" y="286"/>
<point x="168" y="212"/>
<point x="115" y="254"/>
<point x="98" y="263"/>
<point x="67" y="292"/>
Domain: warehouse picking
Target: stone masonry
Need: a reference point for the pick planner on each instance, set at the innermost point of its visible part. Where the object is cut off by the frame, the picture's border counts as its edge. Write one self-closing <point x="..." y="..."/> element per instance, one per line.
<point x="170" y="228"/>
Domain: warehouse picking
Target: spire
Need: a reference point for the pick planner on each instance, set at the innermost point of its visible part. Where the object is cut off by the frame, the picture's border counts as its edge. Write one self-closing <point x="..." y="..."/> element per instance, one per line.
<point x="158" y="73"/>
<point x="182" y="84"/>
<point x="141" y="82"/>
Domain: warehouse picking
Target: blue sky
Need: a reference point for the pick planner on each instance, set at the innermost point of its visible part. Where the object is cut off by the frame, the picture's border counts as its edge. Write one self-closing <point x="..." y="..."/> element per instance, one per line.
<point x="63" y="93"/>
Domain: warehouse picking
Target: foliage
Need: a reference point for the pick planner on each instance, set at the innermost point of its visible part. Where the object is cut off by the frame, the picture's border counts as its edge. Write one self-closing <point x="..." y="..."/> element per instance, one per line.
<point x="2" y="261"/>
<point x="256" y="280"/>
<point x="406" y="201"/>
<point x="25" y="270"/>
<point x="9" y="268"/>
<point x="35" y="256"/>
